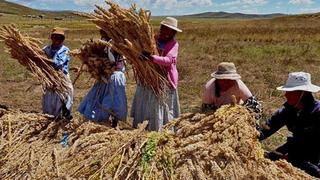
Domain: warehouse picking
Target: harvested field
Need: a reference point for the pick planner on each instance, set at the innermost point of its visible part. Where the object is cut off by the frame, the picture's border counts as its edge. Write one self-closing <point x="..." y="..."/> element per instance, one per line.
<point x="264" y="51"/>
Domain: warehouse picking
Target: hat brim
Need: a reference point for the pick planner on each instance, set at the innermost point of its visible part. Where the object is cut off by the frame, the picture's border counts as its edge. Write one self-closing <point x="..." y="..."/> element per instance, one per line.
<point x="56" y="33"/>
<point x="226" y="76"/>
<point x="309" y="88"/>
<point x="172" y="27"/>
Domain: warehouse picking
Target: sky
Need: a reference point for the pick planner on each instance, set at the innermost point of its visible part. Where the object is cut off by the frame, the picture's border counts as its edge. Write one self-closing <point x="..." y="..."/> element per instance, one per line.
<point x="182" y="7"/>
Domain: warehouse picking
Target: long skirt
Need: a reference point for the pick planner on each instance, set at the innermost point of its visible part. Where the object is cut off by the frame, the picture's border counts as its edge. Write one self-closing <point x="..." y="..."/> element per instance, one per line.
<point x="53" y="104"/>
<point x="105" y="99"/>
<point x="146" y="106"/>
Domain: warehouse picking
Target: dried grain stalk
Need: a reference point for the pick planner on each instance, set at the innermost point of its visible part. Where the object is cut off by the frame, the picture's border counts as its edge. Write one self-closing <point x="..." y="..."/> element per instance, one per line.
<point x="93" y="56"/>
<point x="131" y="33"/>
<point x="26" y="50"/>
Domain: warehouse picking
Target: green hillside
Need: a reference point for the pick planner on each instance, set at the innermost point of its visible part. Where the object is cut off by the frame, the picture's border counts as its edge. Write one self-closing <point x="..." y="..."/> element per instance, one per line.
<point x="12" y="8"/>
<point x="17" y="9"/>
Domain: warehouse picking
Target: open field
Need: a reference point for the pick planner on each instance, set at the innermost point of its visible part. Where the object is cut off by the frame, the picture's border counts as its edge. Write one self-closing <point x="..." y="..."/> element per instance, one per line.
<point x="263" y="50"/>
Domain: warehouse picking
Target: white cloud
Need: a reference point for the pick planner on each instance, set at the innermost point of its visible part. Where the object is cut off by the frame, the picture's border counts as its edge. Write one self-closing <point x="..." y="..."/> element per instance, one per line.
<point x="153" y="4"/>
<point x="244" y="6"/>
<point x="85" y="2"/>
<point x="244" y="2"/>
<point x="88" y="3"/>
<point x="175" y="4"/>
<point x="246" y="9"/>
<point x="310" y="10"/>
<point x="302" y="2"/>
<point x="231" y="3"/>
<point x="195" y="3"/>
<point x="254" y="1"/>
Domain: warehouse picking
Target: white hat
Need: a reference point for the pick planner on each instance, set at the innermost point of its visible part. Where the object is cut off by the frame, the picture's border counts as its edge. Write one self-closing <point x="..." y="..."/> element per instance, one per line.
<point x="226" y="70"/>
<point x="171" y="23"/>
<point x="299" y="81"/>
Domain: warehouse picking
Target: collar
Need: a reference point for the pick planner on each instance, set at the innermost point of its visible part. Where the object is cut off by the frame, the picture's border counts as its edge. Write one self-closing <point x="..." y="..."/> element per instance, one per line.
<point x="309" y="107"/>
<point x="56" y="49"/>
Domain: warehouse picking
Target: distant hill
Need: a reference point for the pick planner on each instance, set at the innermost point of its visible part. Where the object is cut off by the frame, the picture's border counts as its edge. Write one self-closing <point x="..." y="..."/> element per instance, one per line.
<point x="311" y="16"/>
<point x="226" y="15"/>
<point x="13" y="8"/>
<point x="17" y="9"/>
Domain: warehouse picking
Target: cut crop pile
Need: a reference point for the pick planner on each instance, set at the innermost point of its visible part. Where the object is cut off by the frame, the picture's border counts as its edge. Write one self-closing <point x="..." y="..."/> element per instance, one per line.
<point x="222" y="145"/>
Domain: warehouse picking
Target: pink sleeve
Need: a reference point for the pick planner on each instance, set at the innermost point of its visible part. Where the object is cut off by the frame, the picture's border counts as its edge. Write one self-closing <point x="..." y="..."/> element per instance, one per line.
<point x="244" y="91"/>
<point x="170" y="58"/>
<point x="208" y="96"/>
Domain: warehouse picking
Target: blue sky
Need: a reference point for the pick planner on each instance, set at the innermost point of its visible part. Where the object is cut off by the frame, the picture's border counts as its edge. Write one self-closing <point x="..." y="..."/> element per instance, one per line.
<point x="179" y="7"/>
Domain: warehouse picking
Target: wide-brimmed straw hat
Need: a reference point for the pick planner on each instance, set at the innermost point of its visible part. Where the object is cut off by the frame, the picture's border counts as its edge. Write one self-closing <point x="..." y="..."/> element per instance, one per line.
<point x="226" y="70"/>
<point x="299" y="81"/>
<point x="58" y="30"/>
<point x="171" y="23"/>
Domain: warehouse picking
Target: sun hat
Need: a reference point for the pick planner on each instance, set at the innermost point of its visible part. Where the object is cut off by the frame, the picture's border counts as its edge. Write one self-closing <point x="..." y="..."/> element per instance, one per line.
<point x="58" y="30"/>
<point x="171" y="23"/>
<point x="299" y="81"/>
<point x="226" y="70"/>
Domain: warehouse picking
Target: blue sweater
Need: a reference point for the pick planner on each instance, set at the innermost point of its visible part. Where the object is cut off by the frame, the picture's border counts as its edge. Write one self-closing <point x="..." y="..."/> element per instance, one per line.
<point x="59" y="56"/>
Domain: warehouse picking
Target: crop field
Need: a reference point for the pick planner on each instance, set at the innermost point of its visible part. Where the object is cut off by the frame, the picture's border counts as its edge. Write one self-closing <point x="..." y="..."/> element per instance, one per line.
<point x="264" y="52"/>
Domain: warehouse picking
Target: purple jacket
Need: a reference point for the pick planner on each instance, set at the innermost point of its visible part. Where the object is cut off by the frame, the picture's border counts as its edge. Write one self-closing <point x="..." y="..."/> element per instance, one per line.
<point x="168" y="59"/>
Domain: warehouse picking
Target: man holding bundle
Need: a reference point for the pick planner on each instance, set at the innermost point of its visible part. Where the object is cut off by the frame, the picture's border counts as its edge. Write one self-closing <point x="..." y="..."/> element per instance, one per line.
<point x="107" y="98"/>
<point x="146" y="105"/>
<point x="52" y="103"/>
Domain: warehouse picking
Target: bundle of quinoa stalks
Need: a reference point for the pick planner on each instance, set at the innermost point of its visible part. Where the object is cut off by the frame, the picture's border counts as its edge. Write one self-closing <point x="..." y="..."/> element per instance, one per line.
<point x="131" y="33"/>
<point x="27" y="52"/>
<point x="94" y="59"/>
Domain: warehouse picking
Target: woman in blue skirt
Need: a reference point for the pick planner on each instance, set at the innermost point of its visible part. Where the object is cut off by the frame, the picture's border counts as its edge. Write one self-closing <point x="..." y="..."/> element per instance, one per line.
<point x="107" y="98"/>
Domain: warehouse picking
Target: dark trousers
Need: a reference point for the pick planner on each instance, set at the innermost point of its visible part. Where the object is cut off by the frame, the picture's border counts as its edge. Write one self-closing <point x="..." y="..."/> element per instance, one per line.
<point x="282" y="153"/>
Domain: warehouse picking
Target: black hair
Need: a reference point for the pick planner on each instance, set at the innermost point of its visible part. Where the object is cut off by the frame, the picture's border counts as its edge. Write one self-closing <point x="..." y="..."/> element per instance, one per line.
<point x="307" y="99"/>
<point x="62" y="37"/>
<point x="174" y="31"/>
